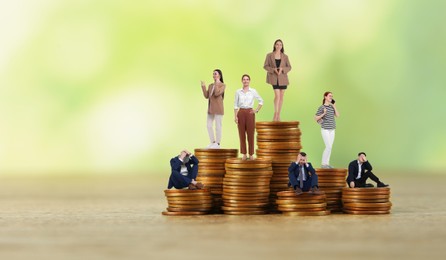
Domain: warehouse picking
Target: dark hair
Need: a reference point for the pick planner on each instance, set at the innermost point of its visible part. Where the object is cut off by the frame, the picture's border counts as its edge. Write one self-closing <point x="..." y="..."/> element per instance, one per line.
<point x="221" y="79"/>
<point x="325" y="94"/>
<point x="274" y="46"/>
<point x="221" y="75"/>
<point x="359" y="154"/>
<point x="303" y="154"/>
<point x="246" y="75"/>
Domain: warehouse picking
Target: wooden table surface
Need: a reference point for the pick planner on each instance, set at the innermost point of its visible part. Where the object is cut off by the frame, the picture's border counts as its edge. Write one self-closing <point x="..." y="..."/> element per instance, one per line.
<point x="119" y="217"/>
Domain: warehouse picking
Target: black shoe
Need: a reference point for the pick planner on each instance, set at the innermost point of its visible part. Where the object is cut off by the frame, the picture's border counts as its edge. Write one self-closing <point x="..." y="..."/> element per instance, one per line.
<point x="298" y="191"/>
<point x="382" y="185"/>
<point x="369" y="185"/>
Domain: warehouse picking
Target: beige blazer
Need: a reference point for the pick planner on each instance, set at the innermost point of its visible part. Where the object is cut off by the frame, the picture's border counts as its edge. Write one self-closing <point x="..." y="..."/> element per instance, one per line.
<point x="270" y="66"/>
<point x="215" y="105"/>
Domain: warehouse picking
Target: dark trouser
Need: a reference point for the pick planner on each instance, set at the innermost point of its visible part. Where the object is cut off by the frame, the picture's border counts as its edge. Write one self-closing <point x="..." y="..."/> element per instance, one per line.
<point x="361" y="181"/>
<point x="180" y="181"/>
<point x="310" y="182"/>
<point x="246" y="126"/>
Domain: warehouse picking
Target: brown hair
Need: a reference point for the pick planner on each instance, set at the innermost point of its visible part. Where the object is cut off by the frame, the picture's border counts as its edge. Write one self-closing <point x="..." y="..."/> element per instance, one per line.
<point x="325" y="94"/>
<point x="274" y="46"/>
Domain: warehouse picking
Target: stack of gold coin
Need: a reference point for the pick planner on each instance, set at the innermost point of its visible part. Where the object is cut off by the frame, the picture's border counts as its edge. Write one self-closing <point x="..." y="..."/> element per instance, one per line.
<point x="187" y="202"/>
<point x="331" y="181"/>
<point x="211" y="170"/>
<point x="366" y="201"/>
<point x="279" y="142"/>
<point x="246" y="186"/>
<point x="305" y="204"/>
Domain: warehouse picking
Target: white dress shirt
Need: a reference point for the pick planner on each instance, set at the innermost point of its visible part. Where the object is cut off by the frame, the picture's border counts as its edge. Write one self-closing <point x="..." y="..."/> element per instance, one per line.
<point x="359" y="169"/>
<point x="246" y="100"/>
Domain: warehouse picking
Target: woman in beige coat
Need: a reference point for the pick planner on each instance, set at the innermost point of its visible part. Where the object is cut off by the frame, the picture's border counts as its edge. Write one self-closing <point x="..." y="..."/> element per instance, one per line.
<point x="215" y="93"/>
<point x="277" y="66"/>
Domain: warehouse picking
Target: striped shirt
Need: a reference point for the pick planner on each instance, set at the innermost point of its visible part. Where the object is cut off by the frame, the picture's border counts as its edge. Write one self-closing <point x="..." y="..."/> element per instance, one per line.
<point x="328" y="121"/>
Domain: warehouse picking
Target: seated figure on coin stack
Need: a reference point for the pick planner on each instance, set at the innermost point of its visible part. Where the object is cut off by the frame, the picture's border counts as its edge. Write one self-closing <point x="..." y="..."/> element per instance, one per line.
<point x="184" y="171"/>
<point x="359" y="171"/>
<point x="302" y="175"/>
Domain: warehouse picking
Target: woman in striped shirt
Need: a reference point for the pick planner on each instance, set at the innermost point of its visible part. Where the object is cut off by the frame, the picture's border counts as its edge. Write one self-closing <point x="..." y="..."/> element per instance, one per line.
<point x="325" y="116"/>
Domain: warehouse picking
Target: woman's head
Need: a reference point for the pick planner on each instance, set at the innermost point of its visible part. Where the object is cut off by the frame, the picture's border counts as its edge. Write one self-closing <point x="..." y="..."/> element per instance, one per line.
<point x="217" y="74"/>
<point x="328" y="96"/>
<point x="278" y="45"/>
<point x="246" y="79"/>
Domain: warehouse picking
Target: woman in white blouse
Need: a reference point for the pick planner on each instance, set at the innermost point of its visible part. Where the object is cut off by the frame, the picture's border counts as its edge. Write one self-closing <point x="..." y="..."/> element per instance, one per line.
<point x="245" y="115"/>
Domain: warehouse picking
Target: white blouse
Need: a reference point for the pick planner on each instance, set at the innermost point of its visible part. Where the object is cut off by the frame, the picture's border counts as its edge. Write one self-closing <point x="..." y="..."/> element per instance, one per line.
<point x="246" y="100"/>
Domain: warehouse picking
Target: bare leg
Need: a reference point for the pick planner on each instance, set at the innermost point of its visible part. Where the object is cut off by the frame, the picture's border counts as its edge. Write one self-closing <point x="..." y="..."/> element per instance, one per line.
<point x="276" y="104"/>
<point x="282" y="93"/>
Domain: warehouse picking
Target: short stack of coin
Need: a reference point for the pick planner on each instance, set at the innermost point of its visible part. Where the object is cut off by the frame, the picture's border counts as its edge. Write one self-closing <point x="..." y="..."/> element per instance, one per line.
<point x="280" y="142"/>
<point x="187" y="202"/>
<point x="211" y="171"/>
<point x="305" y="204"/>
<point x="246" y="186"/>
<point x="366" y="201"/>
<point x="331" y="181"/>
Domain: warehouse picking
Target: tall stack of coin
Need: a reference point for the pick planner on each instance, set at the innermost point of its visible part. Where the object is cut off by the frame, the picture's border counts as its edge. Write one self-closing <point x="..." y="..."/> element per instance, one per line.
<point x="246" y="186"/>
<point x="305" y="204"/>
<point x="187" y="202"/>
<point x="280" y="142"/>
<point x="366" y="201"/>
<point x="211" y="171"/>
<point x="331" y="181"/>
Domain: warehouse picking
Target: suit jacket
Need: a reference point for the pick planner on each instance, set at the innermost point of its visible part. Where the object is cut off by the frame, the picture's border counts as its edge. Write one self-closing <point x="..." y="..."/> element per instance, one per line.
<point x="175" y="163"/>
<point x="294" y="169"/>
<point x="270" y="66"/>
<point x="353" y="169"/>
<point x="215" y="105"/>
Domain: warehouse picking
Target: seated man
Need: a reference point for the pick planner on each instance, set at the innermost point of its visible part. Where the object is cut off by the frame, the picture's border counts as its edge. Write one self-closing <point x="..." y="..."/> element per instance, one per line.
<point x="184" y="171"/>
<point x="359" y="171"/>
<point x="302" y="175"/>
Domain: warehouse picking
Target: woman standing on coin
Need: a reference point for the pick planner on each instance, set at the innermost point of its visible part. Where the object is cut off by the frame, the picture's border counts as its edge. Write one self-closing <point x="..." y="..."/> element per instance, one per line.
<point x="277" y="66"/>
<point x="244" y="115"/>
<point x="215" y="93"/>
<point x="325" y="116"/>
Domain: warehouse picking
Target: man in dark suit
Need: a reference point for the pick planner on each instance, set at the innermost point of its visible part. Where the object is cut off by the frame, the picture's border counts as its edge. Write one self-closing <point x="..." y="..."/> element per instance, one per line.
<point x="359" y="171"/>
<point x="302" y="175"/>
<point x="184" y="172"/>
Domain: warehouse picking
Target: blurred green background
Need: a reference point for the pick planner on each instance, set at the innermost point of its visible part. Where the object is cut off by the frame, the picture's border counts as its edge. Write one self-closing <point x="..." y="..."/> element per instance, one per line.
<point x="106" y="87"/>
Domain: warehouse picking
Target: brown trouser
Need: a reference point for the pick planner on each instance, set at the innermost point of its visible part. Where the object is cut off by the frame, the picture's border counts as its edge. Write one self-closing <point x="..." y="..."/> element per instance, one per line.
<point x="246" y="126"/>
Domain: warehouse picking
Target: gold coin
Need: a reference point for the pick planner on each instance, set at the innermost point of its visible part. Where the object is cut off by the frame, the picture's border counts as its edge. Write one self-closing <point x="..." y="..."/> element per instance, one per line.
<point x="277" y="123"/>
<point x="317" y="213"/>
<point x="260" y="173"/>
<point x="293" y="202"/>
<point x="188" y="210"/>
<point x="303" y="195"/>
<point x="365" y="200"/>
<point x="188" y="213"/>
<point x="368" y="205"/>
<point x="369" y="212"/>
<point x="279" y="145"/>
<point x="367" y="190"/>
<point x="185" y="191"/>
<point x="365" y="197"/>
<point x="284" y="209"/>
<point x="255" y="212"/>
<point x="304" y="205"/>
<point x="240" y="161"/>
<point x="190" y="202"/>
<point x="220" y="150"/>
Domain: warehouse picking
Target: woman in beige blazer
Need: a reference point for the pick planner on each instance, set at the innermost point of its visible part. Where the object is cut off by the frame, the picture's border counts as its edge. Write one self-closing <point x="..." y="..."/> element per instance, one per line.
<point x="215" y="93"/>
<point x="277" y="66"/>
